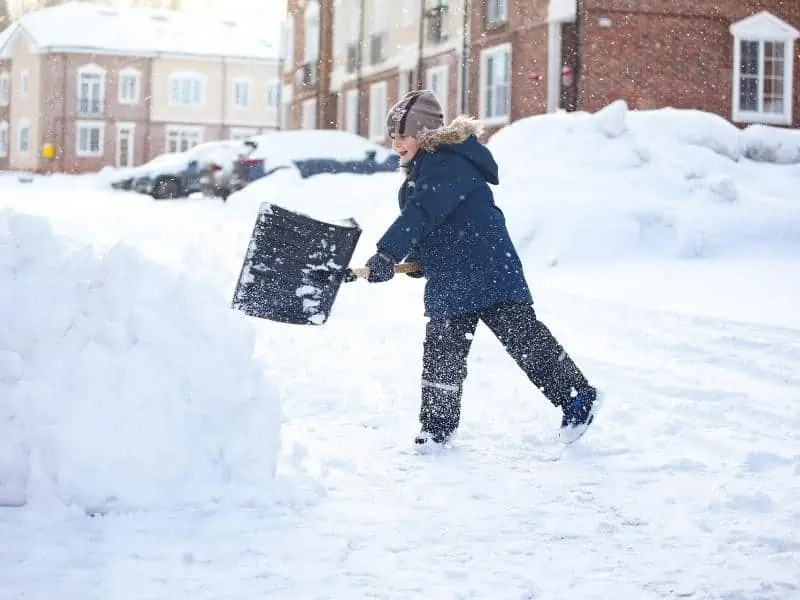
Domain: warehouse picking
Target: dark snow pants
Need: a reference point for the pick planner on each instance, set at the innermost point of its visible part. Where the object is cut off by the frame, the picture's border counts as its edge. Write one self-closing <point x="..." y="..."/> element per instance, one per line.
<point x="526" y="339"/>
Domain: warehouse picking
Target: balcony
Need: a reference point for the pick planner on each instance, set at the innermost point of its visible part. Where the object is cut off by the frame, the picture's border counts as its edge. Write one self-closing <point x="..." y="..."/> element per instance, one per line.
<point x="306" y="75"/>
<point x="90" y="107"/>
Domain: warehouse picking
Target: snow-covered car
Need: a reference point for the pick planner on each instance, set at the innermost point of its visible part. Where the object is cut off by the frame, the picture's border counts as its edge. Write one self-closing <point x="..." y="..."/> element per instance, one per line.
<point x="315" y="151"/>
<point x="178" y="174"/>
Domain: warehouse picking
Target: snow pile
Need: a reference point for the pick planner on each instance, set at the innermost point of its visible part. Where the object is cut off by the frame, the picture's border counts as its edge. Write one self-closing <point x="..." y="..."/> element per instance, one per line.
<point x="584" y="188"/>
<point x="123" y="385"/>
<point x="771" y="144"/>
<point x="619" y="184"/>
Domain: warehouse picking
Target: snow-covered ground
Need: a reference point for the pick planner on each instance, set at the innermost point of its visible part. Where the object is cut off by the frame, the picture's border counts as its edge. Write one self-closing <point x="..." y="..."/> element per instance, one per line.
<point x="665" y="261"/>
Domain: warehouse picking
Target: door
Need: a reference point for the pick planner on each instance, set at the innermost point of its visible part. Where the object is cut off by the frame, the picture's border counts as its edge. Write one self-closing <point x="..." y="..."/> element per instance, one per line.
<point x="124" y="147"/>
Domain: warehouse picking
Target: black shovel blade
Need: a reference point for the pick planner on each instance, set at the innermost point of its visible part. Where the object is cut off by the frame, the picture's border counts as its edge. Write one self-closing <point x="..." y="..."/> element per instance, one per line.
<point x="294" y="266"/>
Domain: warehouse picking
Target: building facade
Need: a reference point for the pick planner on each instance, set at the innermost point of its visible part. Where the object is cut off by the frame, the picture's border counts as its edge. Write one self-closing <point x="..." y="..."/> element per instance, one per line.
<point x="104" y="106"/>
<point x="502" y="60"/>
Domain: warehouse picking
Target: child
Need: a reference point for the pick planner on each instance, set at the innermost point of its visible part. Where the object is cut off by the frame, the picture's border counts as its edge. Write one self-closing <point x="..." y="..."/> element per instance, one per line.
<point x="450" y="225"/>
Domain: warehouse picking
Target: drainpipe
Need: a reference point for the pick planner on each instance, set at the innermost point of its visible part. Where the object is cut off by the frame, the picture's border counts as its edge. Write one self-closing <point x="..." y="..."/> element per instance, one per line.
<point x="63" y="133"/>
<point x="224" y="103"/>
<point x="578" y="60"/>
<point x="420" y="45"/>
<point x="281" y="66"/>
<point x="465" y="58"/>
<point x="359" y="66"/>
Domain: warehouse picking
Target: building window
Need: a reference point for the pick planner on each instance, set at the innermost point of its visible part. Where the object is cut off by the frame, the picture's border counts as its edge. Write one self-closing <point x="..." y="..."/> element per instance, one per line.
<point x="91" y="90"/>
<point x="181" y="139"/>
<point x="5" y="89"/>
<point x="89" y="139"/>
<point x="495" y="82"/>
<point x="288" y="47"/>
<point x="23" y="142"/>
<point x="351" y="111"/>
<point x="438" y="83"/>
<point x="186" y="89"/>
<point x="23" y="84"/>
<point x="3" y="138"/>
<point x="410" y="12"/>
<point x="377" y="110"/>
<point x="763" y="65"/>
<point x="311" y="30"/>
<point x="242" y="133"/>
<point x="273" y="94"/>
<point x="129" y="86"/>
<point x="242" y="92"/>
<point x="496" y="13"/>
<point x="310" y="114"/>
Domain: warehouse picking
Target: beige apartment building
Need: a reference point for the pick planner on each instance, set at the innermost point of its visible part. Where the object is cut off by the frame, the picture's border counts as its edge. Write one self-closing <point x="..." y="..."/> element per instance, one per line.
<point x="126" y="85"/>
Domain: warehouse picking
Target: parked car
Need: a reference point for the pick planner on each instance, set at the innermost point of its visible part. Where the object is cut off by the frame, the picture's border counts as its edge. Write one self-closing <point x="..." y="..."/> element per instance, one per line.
<point x="314" y="152"/>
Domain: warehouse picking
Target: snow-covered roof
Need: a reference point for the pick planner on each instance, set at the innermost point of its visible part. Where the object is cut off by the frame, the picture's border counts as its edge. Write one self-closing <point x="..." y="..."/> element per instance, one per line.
<point x="85" y="27"/>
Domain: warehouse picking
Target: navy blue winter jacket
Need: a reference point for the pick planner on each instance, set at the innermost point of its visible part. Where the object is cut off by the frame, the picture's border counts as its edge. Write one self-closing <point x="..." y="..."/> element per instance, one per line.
<point x="449" y="220"/>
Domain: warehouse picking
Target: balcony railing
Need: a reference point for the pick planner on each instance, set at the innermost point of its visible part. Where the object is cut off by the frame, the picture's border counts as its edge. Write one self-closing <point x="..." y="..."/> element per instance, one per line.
<point x="88" y="107"/>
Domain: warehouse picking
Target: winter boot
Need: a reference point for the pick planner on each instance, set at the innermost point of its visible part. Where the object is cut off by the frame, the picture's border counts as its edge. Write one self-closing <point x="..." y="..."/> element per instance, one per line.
<point x="428" y="441"/>
<point x="579" y="413"/>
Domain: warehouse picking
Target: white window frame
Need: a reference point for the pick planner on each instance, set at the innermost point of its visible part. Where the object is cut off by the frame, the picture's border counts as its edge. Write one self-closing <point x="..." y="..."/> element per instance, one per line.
<point x="286" y="107"/>
<point x="132" y="146"/>
<point x="136" y="77"/>
<point x="191" y="134"/>
<point x="24" y="127"/>
<point x="309" y="117"/>
<point x="182" y="79"/>
<point x="311" y="33"/>
<point x="496" y="12"/>
<point x="5" y="88"/>
<point x="410" y="12"/>
<point x="81" y="126"/>
<point x="442" y="71"/>
<point x="94" y="71"/>
<point x="4" y="138"/>
<point x="273" y="94"/>
<point x="378" y="106"/>
<point x="243" y="133"/>
<point x="288" y="44"/>
<point x="351" y="111"/>
<point x="242" y="92"/>
<point x="486" y="55"/>
<point x="763" y="28"/>
<point x="24" y="83"/>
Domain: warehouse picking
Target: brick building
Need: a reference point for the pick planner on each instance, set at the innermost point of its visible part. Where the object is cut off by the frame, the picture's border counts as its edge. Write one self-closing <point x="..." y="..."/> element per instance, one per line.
<point x="512" y="58"/>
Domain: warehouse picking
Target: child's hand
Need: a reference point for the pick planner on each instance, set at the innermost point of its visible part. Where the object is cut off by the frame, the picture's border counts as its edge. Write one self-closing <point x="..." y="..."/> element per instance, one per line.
<point x="381" y="267"/>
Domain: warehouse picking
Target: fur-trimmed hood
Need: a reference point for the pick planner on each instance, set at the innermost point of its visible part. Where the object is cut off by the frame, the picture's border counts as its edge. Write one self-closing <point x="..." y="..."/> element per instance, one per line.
<point x="459" y="129"/>
<point x="461" y="137"/>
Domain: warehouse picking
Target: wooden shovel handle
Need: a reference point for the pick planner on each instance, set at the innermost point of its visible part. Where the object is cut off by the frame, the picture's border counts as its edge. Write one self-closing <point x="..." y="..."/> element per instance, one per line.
<point x="399" y="268"/>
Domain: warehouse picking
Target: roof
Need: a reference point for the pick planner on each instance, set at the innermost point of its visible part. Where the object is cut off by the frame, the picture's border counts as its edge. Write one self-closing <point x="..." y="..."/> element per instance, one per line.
<point x="85" y="27"/>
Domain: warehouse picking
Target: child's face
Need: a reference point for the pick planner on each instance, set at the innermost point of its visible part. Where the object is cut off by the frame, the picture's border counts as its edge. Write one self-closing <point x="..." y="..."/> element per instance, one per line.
<point x="405" y="146"/>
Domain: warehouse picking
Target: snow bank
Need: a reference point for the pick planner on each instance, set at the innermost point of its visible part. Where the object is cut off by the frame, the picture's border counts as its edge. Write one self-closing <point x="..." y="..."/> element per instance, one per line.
<point x="587" y="188"/>
<point x="771" y="144"/>
<point x="619" y="184"/>
<point x="123" y="386"/>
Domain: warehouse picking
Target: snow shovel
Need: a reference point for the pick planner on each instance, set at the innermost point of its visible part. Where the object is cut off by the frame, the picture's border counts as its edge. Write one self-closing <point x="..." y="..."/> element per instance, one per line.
<point x="294" y="266"/>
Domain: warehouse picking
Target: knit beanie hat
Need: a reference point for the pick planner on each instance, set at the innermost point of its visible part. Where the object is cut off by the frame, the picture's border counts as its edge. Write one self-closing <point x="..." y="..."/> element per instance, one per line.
<point x="418" y="110"/>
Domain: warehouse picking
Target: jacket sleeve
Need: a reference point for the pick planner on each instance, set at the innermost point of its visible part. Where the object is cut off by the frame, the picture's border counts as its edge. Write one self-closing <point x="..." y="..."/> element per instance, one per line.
<point x="443" y="182"/>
